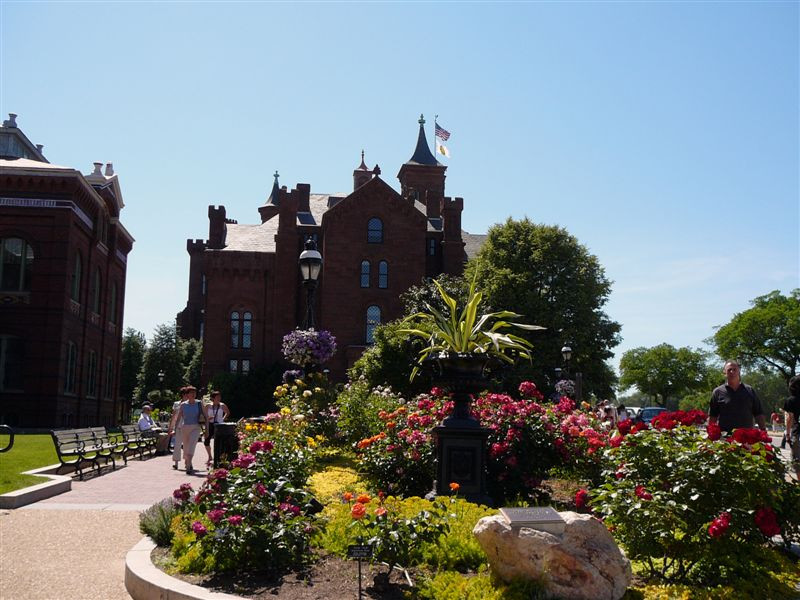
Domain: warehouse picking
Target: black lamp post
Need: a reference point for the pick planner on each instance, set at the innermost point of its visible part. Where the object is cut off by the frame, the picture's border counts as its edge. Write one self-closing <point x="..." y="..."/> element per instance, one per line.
<point x="310" y="266"/>
<point x="161" y="385"/>
<point x="566" y="354"/>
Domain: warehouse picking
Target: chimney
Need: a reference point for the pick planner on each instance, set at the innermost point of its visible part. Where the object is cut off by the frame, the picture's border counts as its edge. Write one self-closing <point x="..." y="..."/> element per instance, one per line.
<point x="98" y="169"/>
<point x="109" y="169"/>
<point x="40" y="147"/>
<point x="11" y="121"/>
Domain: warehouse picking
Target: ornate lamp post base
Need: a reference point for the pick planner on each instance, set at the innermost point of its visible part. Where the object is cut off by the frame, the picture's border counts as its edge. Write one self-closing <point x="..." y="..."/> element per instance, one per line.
<point x="460" y="458"/>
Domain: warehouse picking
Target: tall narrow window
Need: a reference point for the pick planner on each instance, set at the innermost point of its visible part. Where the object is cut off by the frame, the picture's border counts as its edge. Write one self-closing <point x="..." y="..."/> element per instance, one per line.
<point x="373" y="320"/>
<point x="233" y="365"/>
<point x="91" y="374"/>
<point x="69" y="375"/>
<point x="75" y="287"/>
<point x="375" y="231"/>
<point x="12" y="359"/>
<point x="245" y="365"/>
<point x="235" y="329"/>
<point x="431" y="247"/>
<point x="204" y="284"/>
<point x="96" y="286"/>
<point x="364" y="273"/>
<point x="112" y="303"/>
<point x="109" y="383"/>
<point x="247" y="330"/>
<point x="16" y="261"/>
<point x="383" y="274"/>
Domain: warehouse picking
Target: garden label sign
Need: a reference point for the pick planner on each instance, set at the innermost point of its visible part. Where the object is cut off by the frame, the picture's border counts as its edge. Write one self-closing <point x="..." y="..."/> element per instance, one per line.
<point x="359" y="552"/>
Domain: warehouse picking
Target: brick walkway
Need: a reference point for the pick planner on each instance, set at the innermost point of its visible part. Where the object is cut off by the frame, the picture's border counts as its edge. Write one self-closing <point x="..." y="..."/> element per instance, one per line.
<point x="73" y="546"/>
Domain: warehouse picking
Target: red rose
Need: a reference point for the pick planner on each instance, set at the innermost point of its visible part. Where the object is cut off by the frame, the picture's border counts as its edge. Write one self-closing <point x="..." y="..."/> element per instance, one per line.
<point x="581" y="498"/>
<point x="642" y="493"/>
<point x="714" y="432"/>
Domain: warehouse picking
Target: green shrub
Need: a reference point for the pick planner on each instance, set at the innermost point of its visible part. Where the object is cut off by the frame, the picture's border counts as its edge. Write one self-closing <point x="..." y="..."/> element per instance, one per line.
<point x="448" y="585"/>
<point x="156" y="521"/>
<point x="457" y="550"/>
<point x="695" y="508"/>
<point x="358" y="406"/>
<point x="311" y="395"/>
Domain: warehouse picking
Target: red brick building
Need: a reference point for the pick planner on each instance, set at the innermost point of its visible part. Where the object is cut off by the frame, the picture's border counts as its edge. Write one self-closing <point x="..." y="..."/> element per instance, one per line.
<point x="63" y="255"/>
<point x="245" y="291"/>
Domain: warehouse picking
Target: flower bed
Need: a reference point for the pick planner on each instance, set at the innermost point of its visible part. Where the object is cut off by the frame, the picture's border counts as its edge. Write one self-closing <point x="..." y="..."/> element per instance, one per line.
<point x="691" y="505"/>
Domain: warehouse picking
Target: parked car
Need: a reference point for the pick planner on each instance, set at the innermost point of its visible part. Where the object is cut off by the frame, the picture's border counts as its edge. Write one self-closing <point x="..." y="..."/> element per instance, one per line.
<point x="648" y="413"/>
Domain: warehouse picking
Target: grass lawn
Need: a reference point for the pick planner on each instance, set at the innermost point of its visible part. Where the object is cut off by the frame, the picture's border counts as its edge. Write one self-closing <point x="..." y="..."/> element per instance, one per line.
<point x="29" y="452"/>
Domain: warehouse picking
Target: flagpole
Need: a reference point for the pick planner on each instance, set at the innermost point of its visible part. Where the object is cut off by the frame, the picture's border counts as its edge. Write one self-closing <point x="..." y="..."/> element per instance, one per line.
<point x="435" y="117"/>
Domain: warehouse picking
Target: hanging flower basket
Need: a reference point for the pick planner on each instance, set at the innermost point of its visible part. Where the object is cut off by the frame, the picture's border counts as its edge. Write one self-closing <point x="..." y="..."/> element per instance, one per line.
<point x="308" y="347"/>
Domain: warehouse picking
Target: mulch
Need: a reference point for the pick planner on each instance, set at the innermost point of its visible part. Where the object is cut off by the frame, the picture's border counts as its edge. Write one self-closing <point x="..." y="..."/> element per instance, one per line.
<point x="327" y="578"/>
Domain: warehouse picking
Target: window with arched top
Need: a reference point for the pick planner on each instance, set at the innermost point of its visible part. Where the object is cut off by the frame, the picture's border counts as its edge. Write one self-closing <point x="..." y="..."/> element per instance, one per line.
<point x="375" y="231"/>
<point x="112" y="303"/>
<point x="364" y="273"/>
<point x="16" y="262"/>
<point x="383" y="274"/>
<point x="75" y="283"/>
<point x="96" y="287"/>
<point x="241" y="330"/>
<point x="373" y="320"/>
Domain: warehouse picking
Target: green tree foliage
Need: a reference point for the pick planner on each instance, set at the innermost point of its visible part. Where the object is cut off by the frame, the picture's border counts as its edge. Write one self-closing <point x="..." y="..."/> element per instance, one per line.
<point x="545" y="274"/>
<point x="163" y="354"/>
<point x="389" y="361"/>
<point x="192" y="357"/>
<point x="134" y="345"/>
<point x="664" y="371"/>
<point x="417" y="297"/>
<point x="766" y="336"/>
<point x="248" y="395"/>
<point x="771" y="389"/>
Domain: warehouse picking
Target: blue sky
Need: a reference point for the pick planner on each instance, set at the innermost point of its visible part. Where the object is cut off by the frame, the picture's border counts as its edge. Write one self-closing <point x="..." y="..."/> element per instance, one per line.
<point x="664" y="136"/>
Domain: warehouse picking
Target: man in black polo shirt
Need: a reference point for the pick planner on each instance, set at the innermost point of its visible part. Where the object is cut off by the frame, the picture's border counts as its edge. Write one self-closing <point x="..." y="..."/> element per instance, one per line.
<point x="735" y="404"/>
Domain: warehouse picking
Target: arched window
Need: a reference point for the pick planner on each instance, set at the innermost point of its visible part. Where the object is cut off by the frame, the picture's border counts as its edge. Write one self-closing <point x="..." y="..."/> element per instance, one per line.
<point x="69" y="374"/>
<point x="96" y="285"/>
<point x="375" y="231"/>
<point x="12" y="361"/>
<point x="364" y="273"/>
<point x="112" y="303"/>
<point x="75" y="286"/>
<point x="383" y="274"/>
<point x="235" y="329"/>
<point x="241" y="330"/>
<point x="16" y="261"/>
<point x="373" y="320"/>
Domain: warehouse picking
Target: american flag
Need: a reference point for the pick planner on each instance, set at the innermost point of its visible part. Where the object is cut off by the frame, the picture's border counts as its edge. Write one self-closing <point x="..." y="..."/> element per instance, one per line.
<point x="442" y="134"/>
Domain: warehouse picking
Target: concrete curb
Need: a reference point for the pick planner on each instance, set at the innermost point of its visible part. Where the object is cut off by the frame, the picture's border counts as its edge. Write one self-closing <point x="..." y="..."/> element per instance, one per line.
<point x="145" y="581"/>
<point x="58" y="484"/>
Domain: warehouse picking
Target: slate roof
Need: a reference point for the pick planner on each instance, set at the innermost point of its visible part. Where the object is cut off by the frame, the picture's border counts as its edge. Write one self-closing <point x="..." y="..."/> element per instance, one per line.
<point x="251" y="238"/>
<point x="472" y="242"/>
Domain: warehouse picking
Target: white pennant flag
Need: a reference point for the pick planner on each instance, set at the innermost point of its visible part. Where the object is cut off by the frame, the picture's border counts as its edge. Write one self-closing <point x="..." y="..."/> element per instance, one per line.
<point x="442" y="149"/>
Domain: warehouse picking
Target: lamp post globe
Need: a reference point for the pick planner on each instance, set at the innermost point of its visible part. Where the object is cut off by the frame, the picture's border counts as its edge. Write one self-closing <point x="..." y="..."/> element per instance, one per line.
<point x="310" y="262"/>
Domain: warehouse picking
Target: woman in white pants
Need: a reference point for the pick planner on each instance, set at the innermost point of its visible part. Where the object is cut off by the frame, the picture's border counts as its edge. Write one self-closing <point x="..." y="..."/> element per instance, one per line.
<point x="190" y="412"/>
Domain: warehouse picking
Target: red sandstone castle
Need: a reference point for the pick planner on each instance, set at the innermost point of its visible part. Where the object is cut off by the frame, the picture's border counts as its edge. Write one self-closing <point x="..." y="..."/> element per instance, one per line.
<point x="245" y="290"/>
<point x="63" y="258"/>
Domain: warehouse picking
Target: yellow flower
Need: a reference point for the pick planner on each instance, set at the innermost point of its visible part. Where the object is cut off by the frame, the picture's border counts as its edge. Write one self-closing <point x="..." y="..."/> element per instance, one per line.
<point x="311" y="442"/>
<point x="285" y="411"/>
<point x="268" y="427"/>
<point x="294" y="388"/>
<point x="317" y="390"/>
<point x="307" y="394"/>
<point x="299" y="382"/>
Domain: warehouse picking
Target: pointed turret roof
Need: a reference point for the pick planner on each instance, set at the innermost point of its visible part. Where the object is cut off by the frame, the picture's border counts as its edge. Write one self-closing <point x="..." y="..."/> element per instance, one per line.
<point x="422" y="153"/>
<point x="273" y="195"/>
<point x="362" y="166"/>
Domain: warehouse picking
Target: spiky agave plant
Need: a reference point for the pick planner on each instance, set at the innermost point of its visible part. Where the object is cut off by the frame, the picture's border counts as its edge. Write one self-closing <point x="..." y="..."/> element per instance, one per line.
<point x="461" y="332"/>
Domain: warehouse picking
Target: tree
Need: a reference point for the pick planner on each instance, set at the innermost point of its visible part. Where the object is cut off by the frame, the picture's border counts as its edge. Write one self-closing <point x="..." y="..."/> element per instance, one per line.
<point x="766" y="336"/>
<point x="134" y="345"/>
<point x="416" y="297"/>
<point x="664" y="371"/>
<point x="192" y="358"/>
<point x="163" y="355"/>
<point x="545" y="274"/>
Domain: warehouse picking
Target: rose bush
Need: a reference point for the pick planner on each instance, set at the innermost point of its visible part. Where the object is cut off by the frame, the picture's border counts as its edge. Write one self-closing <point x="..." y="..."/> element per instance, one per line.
<point x="400" y="458"/>
<point x="693" y="505"/>
<point x="313" y="396"/>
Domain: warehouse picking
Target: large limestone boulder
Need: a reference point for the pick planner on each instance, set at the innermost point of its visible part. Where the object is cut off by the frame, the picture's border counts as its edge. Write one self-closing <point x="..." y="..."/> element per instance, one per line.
<point x="582" y="563"/>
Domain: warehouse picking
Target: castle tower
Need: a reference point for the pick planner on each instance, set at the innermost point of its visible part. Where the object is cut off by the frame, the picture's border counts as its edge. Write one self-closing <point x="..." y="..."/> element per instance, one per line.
<point x="270" y="207"/>
<point x="422" y="177"/>
<point x="361" y="174"/>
